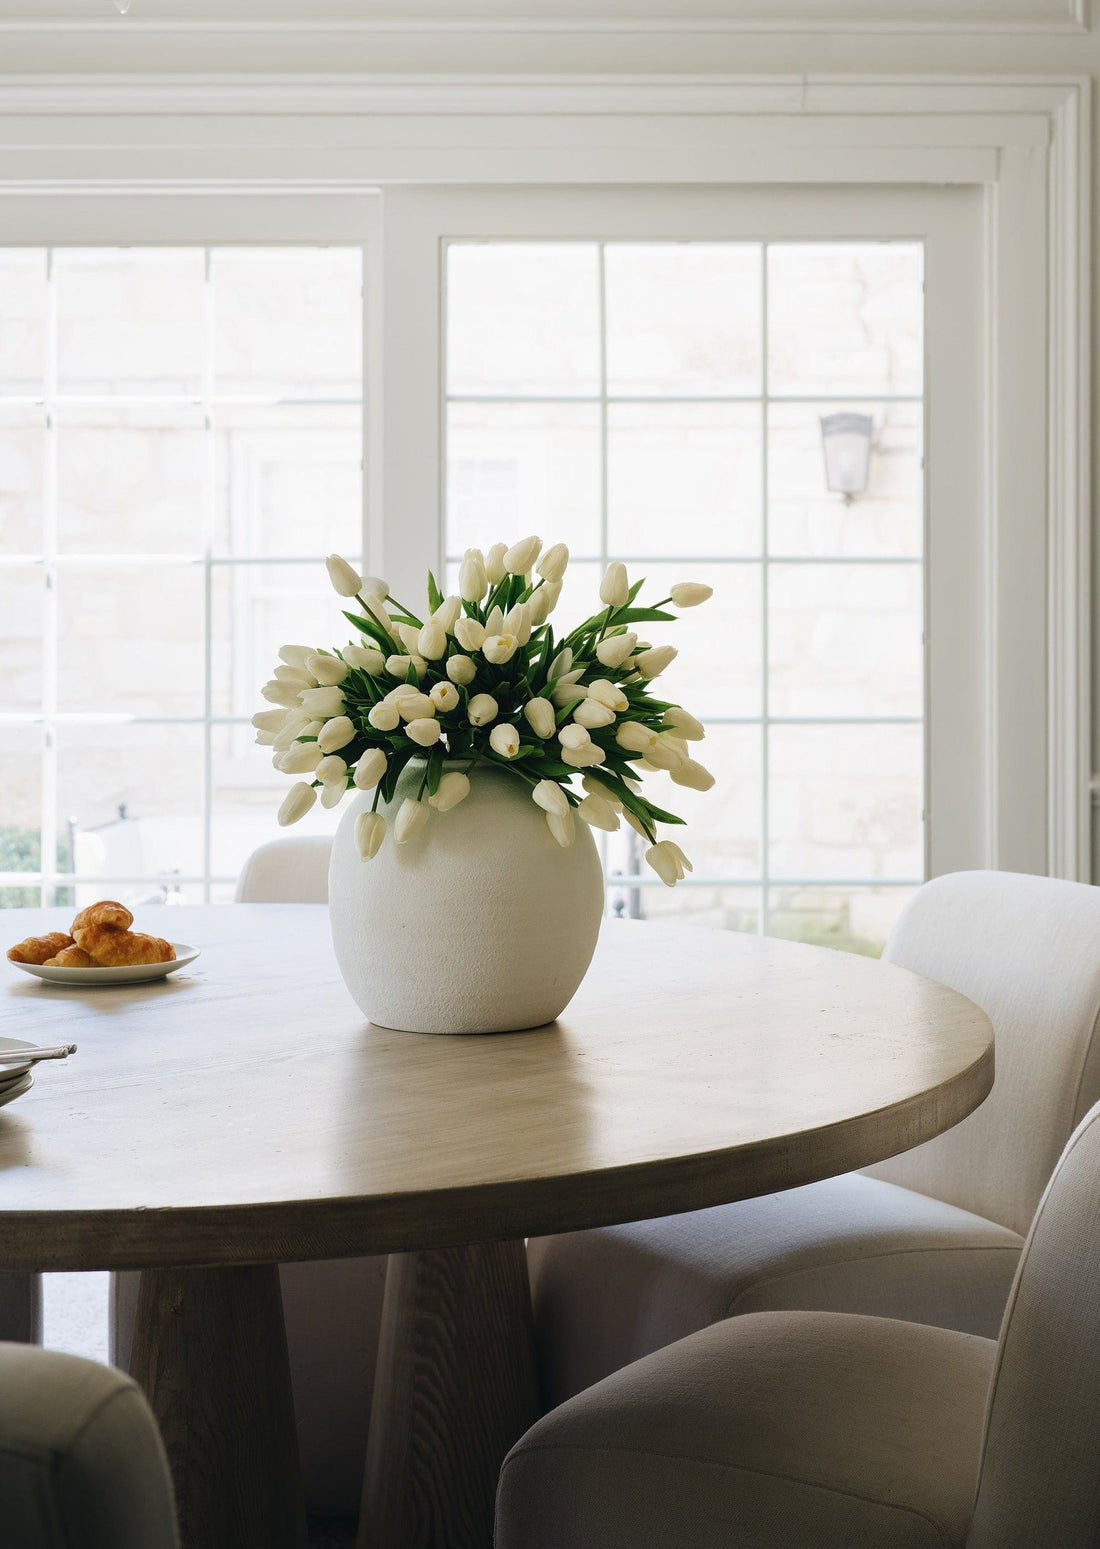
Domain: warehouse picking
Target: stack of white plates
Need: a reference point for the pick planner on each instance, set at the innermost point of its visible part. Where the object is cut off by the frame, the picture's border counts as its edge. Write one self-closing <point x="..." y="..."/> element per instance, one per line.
<point x="14" y="1079"/>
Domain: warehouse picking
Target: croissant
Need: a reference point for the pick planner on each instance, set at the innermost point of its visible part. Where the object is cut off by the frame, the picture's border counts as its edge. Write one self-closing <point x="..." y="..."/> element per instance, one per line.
<point x="39" y="949"/>
<point x="112" y="948"/>
<point x="106" y="912"/>
<point x="72" y="957"/>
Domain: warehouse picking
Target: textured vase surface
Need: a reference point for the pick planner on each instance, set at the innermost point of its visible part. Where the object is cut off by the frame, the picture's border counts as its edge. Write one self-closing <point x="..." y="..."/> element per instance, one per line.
<point x="481" y="923"/>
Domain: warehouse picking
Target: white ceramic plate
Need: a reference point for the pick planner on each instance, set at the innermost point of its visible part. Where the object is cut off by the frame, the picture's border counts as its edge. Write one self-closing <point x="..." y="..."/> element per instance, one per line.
<point x="8" y="1094"/>
<point x="12" y="1073"/>
<point x="139" y="973"/>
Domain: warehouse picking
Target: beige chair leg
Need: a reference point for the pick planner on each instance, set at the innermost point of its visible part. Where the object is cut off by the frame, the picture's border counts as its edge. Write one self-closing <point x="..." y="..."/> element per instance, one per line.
<point x="21" y="1308"/>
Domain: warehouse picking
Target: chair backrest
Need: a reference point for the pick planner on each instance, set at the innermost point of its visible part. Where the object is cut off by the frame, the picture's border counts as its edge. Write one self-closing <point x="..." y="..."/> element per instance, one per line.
<point x="286" y="871"/>
<point x="1027" y="951"/>
<point x="1040" y="1469"/>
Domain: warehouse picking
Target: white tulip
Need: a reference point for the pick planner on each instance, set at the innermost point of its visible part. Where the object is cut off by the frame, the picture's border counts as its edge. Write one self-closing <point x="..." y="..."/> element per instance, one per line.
<point x="552" y="564"/>
<point x="424" y="732"/>
<point x="370" y="830"/>
<point x="384" y="716"/>
<point x="370" y="769"/>
<point x="573" y="736"/>
<point x="499" y="649"/>
<point x="331" y="770"/>
<point x="336" y="734"/>
<point x="494" y="563"/>
<point x="613" y="650"/>
<point x="517" y="622"/>
<point x="610" y="694"/>
<point x="567" y="689"/>
<point x="380" y="613"/>
<point x="668" y="861"/>
<point x="482" y="709"/>
<point x="444" y="696"/>
<point x="522" y="555"/>
<point x="367" y="658"/>
<point x="328" y="670"/>
<point x="453" y="788"/>
<point x="562" y="826"/>
<point x="615" y="586"/>
<point x="295" y="655"/>
<point x="543" y="603"/>
<point x="345" y="580"/>
<point x="296" y="803"/>
<point x="432" y="640"/>
<point x="448" y="613"/>
<point x="636" y="738"/>
<point x="333" y="794"/>
<point x="583" y="757"/>
<point x="693" y="775"/>
<point x="604" y="792"/>
<point x="655" y="660"/>
<point x="540" y="717"/>
<point x="297" y="724"/>
<point x="469" y="633"/>
<point x="495" y="621"/>
<point x="665" y="754"/>
<point x="636" y="824"/>
<point x="374" y="586"/>
<point x="277" y="693"/>
<point x="324" y="702"/>
<point x="599" y="813"/>
<point x="504" y="739"/>
<point x="301" y="758"/>
<point x="461" y="670"/>
<point x="409" y="635"/>
<point x="270" y="720"/>
<point x="549" y="795"/>
<point x="415" y="707"/>
<point x="410" y="819"/>
<point x="561" y="663"/>
<point x="591" y="713"/>
<point x="473" y="580"/>
<point x="291" y="678"/>
<point x="678" y="719"/>
<point x="398" y="666"/>
<point x="689" y="594"/>
<point x="402" y="691"/>
<point x="264" y="739"/>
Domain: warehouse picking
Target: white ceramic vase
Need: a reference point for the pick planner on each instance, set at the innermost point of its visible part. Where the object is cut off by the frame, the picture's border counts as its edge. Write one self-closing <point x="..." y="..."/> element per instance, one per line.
<point x="481" y="923"/>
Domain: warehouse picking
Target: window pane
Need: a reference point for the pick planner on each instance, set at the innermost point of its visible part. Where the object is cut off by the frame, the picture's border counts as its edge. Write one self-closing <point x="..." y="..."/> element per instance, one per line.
<point x="845" y="801"/>
<point x="523" y="318"/>
<point x="131" y="481"/>
<point x="130" y="639"/>
<point x="287" y="322"/>
<point x="519" y="468"/>
<point x="716" y="908"/>
<point x="129" y="320"/>
<point x="258" y="608"/>
<point x="22" y="463"/>
<point x="683" y="318"/>
<point x="845" y="317"/>
<point x="22" y="321"/>
<point x="683" y="478"/>
<point x="845" y="640"/>
<point x="848" y="919"/>
<point x="22" y="600"/>
<point x="21" y="811"/>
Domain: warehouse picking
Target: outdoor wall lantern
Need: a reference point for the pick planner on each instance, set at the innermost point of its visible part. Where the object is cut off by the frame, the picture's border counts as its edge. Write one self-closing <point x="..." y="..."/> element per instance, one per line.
<point x="846" y="442"/>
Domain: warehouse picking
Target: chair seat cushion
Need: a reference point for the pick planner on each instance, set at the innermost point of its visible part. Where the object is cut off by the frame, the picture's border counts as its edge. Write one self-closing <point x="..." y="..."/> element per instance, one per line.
<point x="851" y="1244"/>
<point x="771" y="1431"/>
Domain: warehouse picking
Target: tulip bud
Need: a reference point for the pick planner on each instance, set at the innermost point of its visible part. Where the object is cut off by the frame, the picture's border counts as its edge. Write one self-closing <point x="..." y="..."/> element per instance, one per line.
<point x="410" y="819"/>
<point x="603" y="792"/>
<point x="365" y="657"/>
<point x="543" y="603"/>
<point x="336" y="734"/>
<point x="415" y="706"/>
<point x="693" y="775"/>
<point x="540" y="717"/>
<point x="333" y="794"/>
<point x="522" y="555"/>
<point x="568" y="689"/>
<point x="473" y="581"/>
<point x="384" y="715"/>
<point x="424" y="731"/>
<point x="599" y="813"/>
<point x="591" y="713"/>
<point x="668" y="861"/>
<point x="328" y="670"/>
<point x="409" y="635"/>
<point x="264" y="739"/>
<point x="370" y="830"/>
<point x="615" y="586"/>
<point x="297" y="677"/>
<point x="573" y="736"/>
<point x="448" y="613"/>
<point x="664" y="754"/>
<point x="469" y="634"/>
<point x="552" y="564"/>
<point x="432" y="640"/>
<point x="444" y="696"/>
<point x="295" y="655"/>
<point x="269" y="720"/>
<point x="549" y="795"/>
<point x="636" y="824"/>
<point x="678" y="719"/>
<point x="398" y="666"/>
<point x="607" y="693"/>
<point x="461" y="670"/>
<point x="689" y="594"/>
<point x="494" y="563"/>
<point x="583" y="757"/>
<point x="299" y="758"/>
<point x="370" y="769"/>
<point x="655" y="660"/>
<point x="613" y="650"/>
<point x="561" y="663"/>
<point x="453" y="788"/>
<point x="323" y="702"/>
<point x="402" y="691"/>
<point x="380" y="614"/>
<point x="296" y="803"/>
<point x="297" y="724"/>
<point x="332" y="770"/>
<point x="499" y="649"/>
<point x="495" y="622"/>
<point x="517" y="622"/>
<point x="635" y="737"/>
<point x="345" y="580"/>
<point x="504" y="739"/>
<point x="374" y="586"/>
<point x="562" y="826"/>
<point x="482" y="709"/>
<point x="277" y="693"/>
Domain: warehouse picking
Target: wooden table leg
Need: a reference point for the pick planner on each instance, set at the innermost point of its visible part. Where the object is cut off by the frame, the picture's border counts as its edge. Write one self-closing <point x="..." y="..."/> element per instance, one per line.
<point x="21" y="1308"/>
<point x="210" y="1352"/>
<point x="455" y="1386"/>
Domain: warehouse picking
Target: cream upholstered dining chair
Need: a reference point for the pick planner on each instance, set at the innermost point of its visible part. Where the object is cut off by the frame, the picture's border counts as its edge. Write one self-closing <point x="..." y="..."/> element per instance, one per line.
<point x="836" y="1429"/>
<point x="81" y="1460"/>
<point x="933" y="1235"/>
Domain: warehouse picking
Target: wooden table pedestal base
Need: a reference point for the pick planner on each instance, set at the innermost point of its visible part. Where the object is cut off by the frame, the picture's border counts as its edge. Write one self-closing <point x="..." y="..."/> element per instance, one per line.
<point x="210" y="1353"/>
<point x="455" y="1386"/>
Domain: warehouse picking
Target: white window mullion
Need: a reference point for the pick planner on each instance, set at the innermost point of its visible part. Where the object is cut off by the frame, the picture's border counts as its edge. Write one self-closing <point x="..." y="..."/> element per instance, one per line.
<point x="50" y="626"/>
<point x="765" y="663"/>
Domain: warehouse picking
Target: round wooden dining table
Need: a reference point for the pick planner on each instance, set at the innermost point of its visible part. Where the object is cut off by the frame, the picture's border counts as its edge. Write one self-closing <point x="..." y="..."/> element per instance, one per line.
<point x="241" y="1114"/>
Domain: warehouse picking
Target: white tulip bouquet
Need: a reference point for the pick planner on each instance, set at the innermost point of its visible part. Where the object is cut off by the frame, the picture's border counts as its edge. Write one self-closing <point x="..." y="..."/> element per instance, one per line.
<point x="484" y="680"/>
